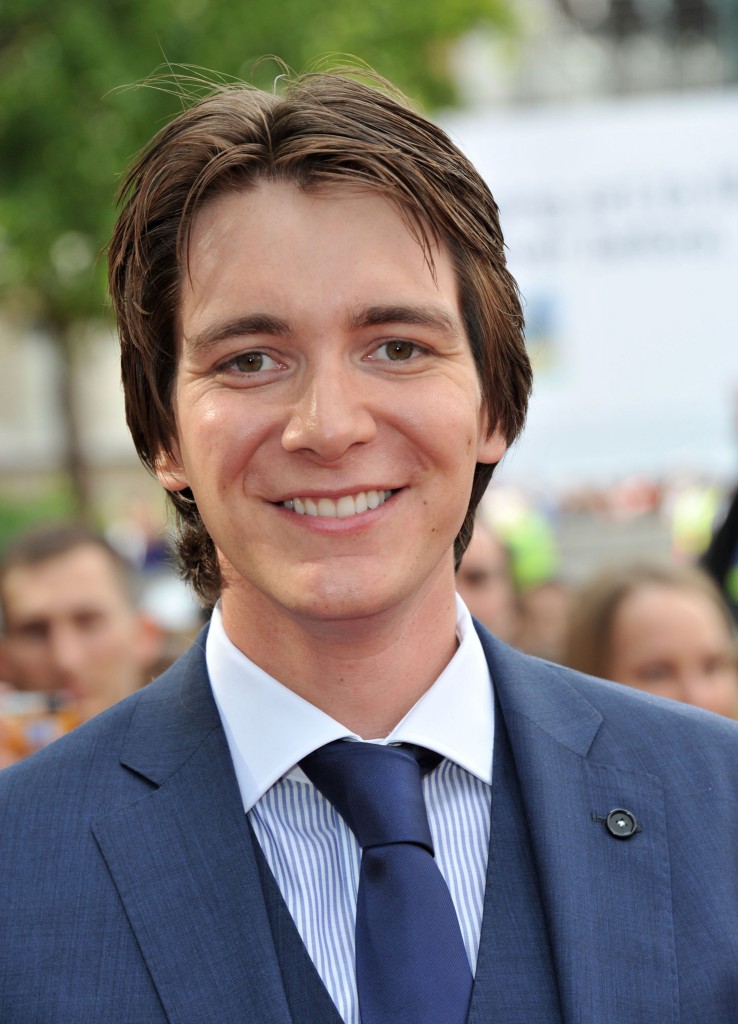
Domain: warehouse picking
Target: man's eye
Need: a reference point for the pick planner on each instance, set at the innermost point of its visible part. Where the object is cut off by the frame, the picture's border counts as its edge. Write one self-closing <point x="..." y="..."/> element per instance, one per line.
<point x="397" y="351"/>
<point x="89" y="621"/>
<point x="252" y="362"/>
<point x="32" y="632"/>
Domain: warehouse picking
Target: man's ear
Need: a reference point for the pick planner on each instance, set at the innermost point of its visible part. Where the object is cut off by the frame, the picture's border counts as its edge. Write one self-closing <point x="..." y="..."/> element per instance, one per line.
<point x="169" y="470"/>
<point x="492" y="446"/>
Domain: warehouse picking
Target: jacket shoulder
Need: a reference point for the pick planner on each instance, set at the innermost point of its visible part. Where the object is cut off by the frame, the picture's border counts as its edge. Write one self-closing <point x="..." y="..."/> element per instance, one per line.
<point x="77" y="769"/>
<point x="624" y="724"/>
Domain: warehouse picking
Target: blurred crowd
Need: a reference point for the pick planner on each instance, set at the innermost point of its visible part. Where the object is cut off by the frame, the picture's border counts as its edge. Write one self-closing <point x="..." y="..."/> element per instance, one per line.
<point x="89" y="617"/>
<point x="666" y="625"/>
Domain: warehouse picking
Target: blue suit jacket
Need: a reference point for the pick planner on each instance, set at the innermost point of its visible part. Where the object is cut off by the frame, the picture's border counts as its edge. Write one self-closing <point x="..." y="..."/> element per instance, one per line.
<point x="130" y="890"/>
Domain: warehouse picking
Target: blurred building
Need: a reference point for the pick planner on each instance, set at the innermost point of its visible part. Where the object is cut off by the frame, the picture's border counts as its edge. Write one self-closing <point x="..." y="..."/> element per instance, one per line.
<point x="34" y="409"/>
<point x="572" y="49"/>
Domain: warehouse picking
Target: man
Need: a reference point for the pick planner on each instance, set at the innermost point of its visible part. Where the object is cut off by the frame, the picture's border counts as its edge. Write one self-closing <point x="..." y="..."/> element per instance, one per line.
<point x="323" y="362"/>
<point x="70" y="626"/>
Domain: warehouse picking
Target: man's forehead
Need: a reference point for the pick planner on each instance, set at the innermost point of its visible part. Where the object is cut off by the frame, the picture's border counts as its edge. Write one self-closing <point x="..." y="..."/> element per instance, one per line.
<point x="234" y="287"/>
<point x="62" y="579"/>
<point x="419" y="224"/>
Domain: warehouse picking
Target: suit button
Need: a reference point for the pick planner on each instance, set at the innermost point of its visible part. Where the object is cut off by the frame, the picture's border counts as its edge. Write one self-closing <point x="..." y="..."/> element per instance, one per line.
<point x="621" y="823"/>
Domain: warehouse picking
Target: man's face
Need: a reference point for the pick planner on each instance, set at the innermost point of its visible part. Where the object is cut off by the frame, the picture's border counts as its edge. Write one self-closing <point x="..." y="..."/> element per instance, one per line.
<point x="327" y="404"/>
<point x="70" y="629"/>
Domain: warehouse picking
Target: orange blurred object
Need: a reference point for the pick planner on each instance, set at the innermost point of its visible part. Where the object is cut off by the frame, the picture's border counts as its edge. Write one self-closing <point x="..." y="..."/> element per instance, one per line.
<point x="30" y="721"/>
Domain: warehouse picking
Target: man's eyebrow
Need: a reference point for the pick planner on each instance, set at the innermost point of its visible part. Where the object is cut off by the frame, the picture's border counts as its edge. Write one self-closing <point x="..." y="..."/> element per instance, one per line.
<point x="222" y="330"/>
<point x="433" y="317"/>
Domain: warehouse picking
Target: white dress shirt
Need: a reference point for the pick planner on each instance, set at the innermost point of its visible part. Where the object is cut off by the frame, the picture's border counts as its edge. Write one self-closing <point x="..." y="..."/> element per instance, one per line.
<point x="311" y="851"/>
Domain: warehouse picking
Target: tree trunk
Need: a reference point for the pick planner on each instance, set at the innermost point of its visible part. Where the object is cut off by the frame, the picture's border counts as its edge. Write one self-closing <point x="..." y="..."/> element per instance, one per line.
<point x="74" y="462"/>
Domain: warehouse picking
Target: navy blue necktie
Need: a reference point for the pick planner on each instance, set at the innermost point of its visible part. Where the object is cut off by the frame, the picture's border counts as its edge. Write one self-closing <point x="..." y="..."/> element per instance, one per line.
<point x="411" y="965"/>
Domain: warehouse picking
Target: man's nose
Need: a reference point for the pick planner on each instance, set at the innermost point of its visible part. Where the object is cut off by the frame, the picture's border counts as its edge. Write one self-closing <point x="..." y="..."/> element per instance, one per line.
<point x="330" y="413"/>
<point x="66" y="651"/>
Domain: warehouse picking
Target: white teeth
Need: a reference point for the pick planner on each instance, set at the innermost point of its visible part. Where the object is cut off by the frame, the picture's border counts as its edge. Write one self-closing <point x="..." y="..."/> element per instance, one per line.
<point x="342" y="508"/>
<point x="345" y="507"/>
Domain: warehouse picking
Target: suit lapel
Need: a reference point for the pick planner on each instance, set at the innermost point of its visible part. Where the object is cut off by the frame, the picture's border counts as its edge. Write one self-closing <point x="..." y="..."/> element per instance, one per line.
<point x="183" y="863"/>
<point x="514" y="979"/>
<point x="607" y="901"/>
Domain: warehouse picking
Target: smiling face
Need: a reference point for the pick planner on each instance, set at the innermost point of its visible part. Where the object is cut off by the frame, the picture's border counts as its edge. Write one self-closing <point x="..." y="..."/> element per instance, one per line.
<point x="327" y="404"/>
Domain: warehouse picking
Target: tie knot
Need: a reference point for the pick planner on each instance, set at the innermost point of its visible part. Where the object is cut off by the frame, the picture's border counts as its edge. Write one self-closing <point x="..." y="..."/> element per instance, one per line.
<point x="376" y="789"/>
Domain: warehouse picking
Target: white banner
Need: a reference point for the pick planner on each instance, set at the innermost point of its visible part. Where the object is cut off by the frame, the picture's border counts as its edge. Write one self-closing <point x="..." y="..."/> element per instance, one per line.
<point x="621" y="221"/>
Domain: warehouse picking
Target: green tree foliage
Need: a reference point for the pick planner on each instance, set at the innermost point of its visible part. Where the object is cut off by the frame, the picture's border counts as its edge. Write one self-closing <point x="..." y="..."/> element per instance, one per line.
<point x="68" y="128"/>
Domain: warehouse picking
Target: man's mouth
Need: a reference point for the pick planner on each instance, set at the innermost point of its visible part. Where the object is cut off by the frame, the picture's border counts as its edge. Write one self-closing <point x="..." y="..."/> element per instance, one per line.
<point x="338" y="508"/>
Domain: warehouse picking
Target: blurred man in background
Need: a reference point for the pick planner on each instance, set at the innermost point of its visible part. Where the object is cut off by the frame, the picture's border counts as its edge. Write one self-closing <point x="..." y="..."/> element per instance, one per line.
<point x="71" y="630"/>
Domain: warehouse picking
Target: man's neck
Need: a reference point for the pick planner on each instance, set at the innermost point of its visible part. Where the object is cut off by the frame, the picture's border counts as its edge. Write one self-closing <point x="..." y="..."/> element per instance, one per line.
<point x="365" y="673"/>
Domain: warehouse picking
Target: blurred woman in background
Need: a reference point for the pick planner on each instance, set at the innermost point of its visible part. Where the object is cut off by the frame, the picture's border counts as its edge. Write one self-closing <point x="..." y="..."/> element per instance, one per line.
<point x="663" y="628"/>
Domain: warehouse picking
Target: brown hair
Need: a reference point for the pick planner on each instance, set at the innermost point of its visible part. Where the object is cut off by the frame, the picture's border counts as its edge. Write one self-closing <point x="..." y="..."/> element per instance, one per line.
<point x="42" y="543"/>
<point x="588" y="644"/>
<point x="325" y="129"/>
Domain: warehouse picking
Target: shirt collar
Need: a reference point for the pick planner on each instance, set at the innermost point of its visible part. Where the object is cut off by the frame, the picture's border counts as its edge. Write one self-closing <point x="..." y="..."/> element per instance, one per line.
<point x="269" y="728"/>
